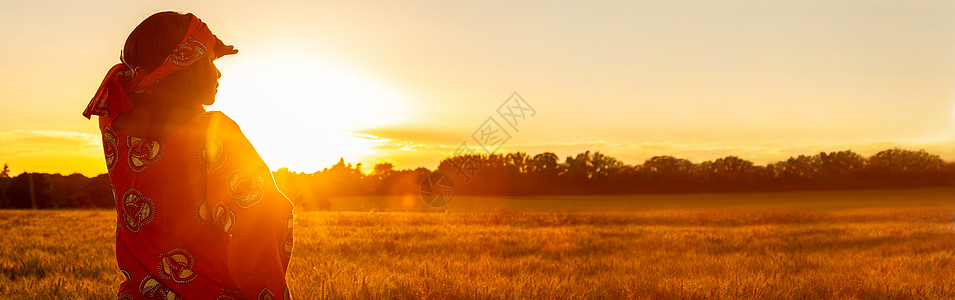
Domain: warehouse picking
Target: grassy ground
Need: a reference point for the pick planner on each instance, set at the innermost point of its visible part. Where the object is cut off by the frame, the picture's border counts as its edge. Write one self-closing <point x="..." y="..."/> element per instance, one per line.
<point x="872" y="244"/>
<point x="930" y="197"/>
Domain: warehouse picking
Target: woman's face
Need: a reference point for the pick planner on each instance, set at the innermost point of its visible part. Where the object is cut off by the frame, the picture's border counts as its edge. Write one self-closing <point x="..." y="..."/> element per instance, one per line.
<point x="197" y="84"/>
<point x="211" y="75"/>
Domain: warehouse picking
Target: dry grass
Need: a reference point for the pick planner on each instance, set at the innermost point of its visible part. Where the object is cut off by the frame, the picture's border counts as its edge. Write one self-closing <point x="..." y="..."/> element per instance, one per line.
<point x="903" y="248"/>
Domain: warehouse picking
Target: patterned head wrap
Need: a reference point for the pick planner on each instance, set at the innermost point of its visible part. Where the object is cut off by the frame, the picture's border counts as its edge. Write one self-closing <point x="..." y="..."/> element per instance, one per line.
<point x="111" y="99"/>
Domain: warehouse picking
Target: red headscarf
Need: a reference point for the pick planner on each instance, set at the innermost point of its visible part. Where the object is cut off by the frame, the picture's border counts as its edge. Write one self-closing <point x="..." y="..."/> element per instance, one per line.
<point x="111" y="99"/>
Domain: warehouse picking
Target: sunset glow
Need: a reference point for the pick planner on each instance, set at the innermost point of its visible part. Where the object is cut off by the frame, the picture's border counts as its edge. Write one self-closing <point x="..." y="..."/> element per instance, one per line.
<point x="303" y="113"/>
<point x="317" y="81"/>
<point x="492" y="149"/>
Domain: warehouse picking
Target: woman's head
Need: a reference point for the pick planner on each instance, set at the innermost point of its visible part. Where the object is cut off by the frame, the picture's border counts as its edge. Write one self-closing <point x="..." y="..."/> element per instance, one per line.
<point x="148" y="46"/>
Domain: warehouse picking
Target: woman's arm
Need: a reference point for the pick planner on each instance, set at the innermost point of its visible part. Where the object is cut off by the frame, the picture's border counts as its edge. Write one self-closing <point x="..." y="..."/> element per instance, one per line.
<point x="260" y="244"/>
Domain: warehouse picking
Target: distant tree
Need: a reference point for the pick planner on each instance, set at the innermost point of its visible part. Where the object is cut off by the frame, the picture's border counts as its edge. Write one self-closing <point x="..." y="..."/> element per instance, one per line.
<point x="581" y="167"/>
<point x="668" y="168"/>
<point x="800" y="168"/>
<point x="20" y="191"/>
<point x="542" y="174"/>
<point x="4" y="186"/>
<point x="730" y="170"/>
<point x="495" y="161"/>
<point x="97" y="192"/>
<point x="422" y="172"/>
<point x="516" y="162"/>
<point x="341" y="166"/>
<point x="545" y="164"/>
<point x="897" y="163"/>
<point x="383" y="170"/>
<point x="79" y="191"/>
<point x="67" y="191"/>
<point x="380" y="175"/>
<point x="342" y="179"/>
<point x="605" y="166"/>
<point x="732" y="164"/>
<point x="839" y="165"/>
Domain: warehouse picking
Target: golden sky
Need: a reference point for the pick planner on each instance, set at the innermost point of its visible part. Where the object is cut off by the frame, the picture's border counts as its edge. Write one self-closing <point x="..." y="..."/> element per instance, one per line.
<point x="408" y="82"/>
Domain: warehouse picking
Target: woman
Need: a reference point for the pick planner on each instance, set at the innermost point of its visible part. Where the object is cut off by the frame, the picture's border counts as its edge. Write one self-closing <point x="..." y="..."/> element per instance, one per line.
<point x="198" y="213"/>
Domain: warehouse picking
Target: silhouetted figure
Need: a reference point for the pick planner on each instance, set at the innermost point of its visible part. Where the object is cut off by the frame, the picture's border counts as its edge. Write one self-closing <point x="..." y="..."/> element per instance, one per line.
<point x="198" y="213"/>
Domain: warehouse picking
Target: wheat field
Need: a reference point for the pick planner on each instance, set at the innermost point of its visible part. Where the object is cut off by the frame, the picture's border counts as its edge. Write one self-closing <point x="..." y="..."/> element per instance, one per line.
<point x="845" y="245"/>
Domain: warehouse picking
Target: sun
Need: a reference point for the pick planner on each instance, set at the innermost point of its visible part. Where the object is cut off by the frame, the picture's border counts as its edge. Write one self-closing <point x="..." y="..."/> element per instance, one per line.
<point x="304" y="113"/>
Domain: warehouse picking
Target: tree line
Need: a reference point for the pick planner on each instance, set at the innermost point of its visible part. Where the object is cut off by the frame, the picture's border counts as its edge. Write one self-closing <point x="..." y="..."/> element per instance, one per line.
<point x="518" y="173"/>
<point x="41" y="190"/>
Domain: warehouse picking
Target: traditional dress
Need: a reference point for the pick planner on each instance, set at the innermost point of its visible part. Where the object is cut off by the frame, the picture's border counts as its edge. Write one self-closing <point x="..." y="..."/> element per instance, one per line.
<point x="198" y="213"/>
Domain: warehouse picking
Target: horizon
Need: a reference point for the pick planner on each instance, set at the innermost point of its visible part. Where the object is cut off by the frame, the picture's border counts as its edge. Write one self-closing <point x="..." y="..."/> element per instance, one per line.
<point x="366" y="169"/>
<point x="407" y="84"/>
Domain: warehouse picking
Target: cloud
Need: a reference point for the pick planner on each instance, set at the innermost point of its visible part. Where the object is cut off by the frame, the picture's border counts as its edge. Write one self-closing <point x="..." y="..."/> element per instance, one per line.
<point x="52" y="151"/>
<point x="418" y="134"/>
<point x="43" y="140"/>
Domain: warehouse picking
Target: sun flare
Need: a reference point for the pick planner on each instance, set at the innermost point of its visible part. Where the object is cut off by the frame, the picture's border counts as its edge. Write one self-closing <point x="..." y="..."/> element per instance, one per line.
<point x="304" y="113"/>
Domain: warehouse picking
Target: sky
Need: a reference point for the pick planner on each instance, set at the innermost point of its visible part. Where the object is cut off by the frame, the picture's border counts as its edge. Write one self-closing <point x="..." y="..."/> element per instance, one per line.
<point x="409" y="82"/>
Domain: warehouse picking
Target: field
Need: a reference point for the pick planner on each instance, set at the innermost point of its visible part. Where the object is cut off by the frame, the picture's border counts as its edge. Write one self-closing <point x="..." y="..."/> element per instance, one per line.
<point x="897" y="244"/>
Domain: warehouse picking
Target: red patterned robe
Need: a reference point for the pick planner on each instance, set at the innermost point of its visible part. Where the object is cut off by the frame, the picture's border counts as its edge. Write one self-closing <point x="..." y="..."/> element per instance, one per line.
<point x="198" y="214"/>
